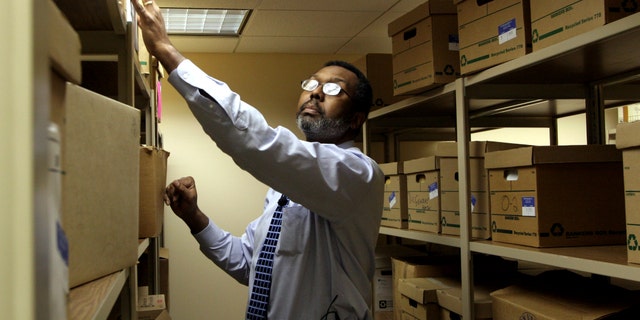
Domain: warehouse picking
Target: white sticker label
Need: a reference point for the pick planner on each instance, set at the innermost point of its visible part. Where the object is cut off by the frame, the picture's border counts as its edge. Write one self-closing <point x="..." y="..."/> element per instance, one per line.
<point x="433" y="191"/>
<point x="392" y="200"/>
<point x="528" y="207"/>
<point x="507" y="31"/>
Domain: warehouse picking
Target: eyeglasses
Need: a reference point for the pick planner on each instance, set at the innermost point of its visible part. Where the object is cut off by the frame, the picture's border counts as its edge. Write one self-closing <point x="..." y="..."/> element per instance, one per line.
<point x="329" y="88"/>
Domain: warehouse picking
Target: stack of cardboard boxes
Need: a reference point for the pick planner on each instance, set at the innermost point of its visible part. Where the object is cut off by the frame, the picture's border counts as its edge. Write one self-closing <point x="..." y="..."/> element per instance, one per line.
<point x="442" y="39"/>
<point x="536" y="196"/>
<point x="99" y="141"/>
<point x="111" y="188"/>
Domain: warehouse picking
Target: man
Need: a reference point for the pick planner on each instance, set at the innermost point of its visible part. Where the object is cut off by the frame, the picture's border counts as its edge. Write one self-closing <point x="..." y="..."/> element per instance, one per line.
<point x="325" y="196"/>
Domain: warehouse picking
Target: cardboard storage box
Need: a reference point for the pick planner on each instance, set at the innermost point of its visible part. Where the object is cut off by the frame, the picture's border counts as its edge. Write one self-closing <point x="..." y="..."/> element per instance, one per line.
<point x="628" y="139"/>
<point x="562" y="296"/>
<point x="424" y="43"/>
<point x="379" y="70"/>
<point x="63" y="45"/>
<point x="394" y="210"/>
<point x="153" y="175"/>
<point x="64" y="58"/>
<point x="447" y="153"/>
<point x="423" y="198"/>
<point x="492" y="32"/>
<point x="553" y="21"/>
<point x="419" y="267"/>
<point x="547" y="196"/>
<point x="450" y="299"/>
<point x="151" y="307"/>
<point x="450" y="202"/>
<point x="383" y="278"/>
<point x="100" y="186"/>
<point x="418" y="298"/>
<point x="420" y="294"/>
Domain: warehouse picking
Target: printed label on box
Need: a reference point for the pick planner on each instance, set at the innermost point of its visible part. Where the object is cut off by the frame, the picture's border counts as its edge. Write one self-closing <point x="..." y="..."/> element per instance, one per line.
<point x="392" y="199"/>
<point x="454" y="42"/>
<point x="507" y="31"/>
<point x="528" y="207"/>
<point x="433" y="190"/>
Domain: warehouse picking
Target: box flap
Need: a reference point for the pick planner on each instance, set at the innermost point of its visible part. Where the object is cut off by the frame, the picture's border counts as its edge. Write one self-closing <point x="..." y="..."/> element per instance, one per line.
<point x="421" y="12"/>
<point x="391" y="168"/>
<point x="628" y="135"/>
<point x="422" y="290"/>
<point x="527" y="156"/>
<point x="420" y="165"/>
<point x="64" y="45"/>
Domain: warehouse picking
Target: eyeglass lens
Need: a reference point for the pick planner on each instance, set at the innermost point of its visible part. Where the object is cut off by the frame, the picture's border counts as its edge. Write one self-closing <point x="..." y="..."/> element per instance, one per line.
<point x="329" y="88"/>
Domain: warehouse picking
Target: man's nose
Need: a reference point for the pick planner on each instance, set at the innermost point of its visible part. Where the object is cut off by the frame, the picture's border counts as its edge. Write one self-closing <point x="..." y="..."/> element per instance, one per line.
<point x="317" y="93"/>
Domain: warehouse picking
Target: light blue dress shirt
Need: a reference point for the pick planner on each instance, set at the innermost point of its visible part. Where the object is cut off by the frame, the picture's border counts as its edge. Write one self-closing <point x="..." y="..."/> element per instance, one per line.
<point x="324" y="263"/>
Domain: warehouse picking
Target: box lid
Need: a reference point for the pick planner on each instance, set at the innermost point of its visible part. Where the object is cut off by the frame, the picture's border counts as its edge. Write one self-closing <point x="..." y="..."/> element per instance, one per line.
<point x="63" y="45"/>
<point x="421" y="165"/>
<point x="628" y="135"/>
<point x="527" y="156"/>
<point x="422" y="290"/>
<point x="391" y="168"/>
<point x="477" y="149"/>
<point x="450" y="298"/>
<point x="421" y="12"/>
<point x="552" y="305"/>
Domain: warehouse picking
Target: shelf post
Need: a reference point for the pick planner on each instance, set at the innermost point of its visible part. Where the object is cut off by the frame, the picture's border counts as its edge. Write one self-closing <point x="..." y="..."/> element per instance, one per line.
<point x="595" y="115"/>
<point x="366" y="138"/>
<point x="463" y="136"/>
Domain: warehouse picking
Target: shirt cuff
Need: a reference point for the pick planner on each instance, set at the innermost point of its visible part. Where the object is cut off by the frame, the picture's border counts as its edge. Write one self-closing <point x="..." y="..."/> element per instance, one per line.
<point x="210" y="234"/>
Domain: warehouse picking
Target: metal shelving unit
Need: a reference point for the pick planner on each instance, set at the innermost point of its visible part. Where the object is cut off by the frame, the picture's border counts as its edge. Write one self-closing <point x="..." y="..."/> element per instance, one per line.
<point x="586" y="74"/>
<point x="111" y="67"/>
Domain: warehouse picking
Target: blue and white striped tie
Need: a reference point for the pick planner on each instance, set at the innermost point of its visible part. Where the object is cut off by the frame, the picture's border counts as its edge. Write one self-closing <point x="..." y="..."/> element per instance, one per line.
<point x="259" y="300"/>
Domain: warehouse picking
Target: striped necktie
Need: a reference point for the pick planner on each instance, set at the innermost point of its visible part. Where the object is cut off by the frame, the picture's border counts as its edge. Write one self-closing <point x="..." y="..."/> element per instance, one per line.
<point x="259" y="300"/>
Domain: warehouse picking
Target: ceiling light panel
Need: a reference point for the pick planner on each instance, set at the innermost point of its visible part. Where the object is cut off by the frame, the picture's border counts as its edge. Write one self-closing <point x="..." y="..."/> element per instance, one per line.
<point x="197" y="21"/>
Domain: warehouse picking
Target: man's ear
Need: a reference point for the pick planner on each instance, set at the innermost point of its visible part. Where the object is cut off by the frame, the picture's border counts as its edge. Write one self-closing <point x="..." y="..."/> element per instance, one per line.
<point x="358" y="119"/>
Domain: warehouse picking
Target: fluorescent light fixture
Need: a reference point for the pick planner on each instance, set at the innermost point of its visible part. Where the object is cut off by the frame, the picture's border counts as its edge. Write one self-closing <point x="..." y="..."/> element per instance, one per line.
<point x="196" y="21"/>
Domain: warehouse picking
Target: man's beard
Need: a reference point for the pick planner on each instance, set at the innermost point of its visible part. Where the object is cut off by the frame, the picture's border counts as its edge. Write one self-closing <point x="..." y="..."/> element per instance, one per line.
<point x="323" y="129"/>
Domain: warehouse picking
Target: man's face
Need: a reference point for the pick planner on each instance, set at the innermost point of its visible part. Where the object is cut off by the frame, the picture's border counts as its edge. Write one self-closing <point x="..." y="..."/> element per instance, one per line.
<point x="323" y="117"/>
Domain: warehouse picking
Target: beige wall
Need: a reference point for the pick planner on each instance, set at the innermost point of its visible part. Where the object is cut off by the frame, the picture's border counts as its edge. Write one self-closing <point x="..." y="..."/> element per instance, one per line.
<point x="230" y="196"/>
<point x="17" y="131"/>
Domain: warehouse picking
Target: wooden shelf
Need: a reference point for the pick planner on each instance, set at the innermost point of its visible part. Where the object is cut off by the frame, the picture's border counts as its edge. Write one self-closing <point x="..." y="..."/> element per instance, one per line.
<point x="608" y="261"/>
<point x="95" y="15"/>
<point x="95" y="299"/>
<point x="451" y="241"/>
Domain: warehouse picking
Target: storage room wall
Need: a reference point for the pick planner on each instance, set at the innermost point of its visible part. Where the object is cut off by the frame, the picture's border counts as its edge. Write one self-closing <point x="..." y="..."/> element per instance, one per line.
<point x="227" y="194"/>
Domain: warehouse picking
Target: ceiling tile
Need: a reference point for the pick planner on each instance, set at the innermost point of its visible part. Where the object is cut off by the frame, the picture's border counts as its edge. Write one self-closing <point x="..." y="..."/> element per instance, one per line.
<point x="290" y="45"/>
<point x="362" y="45"/>
<point x="231" y="4"/>
<point x="301" y="26"/>
<point x="328" y="5"/>
<point x="307" y="23"/>
<point x="380" y="26"/>
<point x="205" y="44"/>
